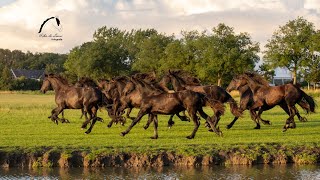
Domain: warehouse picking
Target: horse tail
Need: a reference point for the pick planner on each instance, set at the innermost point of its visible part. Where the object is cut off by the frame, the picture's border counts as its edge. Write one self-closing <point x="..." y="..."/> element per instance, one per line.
<point x="217" y="106"/>
<point x="309" y="100"/>
<point x="235" y="110"/>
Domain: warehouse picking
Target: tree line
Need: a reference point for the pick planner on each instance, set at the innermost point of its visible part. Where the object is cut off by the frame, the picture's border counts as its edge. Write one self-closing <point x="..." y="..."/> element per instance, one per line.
<point x="214" y="56"/>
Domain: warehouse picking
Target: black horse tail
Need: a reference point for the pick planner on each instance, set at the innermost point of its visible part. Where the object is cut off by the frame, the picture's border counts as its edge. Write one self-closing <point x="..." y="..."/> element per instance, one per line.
<point x="217" y="106"/>
<point x="309" y="100"/>
<point x="235" y="110"/>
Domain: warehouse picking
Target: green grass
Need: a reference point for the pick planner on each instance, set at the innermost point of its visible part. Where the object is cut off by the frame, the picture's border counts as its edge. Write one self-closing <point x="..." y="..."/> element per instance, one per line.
<point x="24" y="124"/>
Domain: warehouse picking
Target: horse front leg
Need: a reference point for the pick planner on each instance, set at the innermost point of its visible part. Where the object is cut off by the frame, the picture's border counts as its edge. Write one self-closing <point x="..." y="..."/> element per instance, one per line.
<point x="196" y="123"/>
<point x="150" y="119"/>
<point x="229" y="126"/>
<point x="254" y="118"/>
<point x="290" y="121"/>
<point x="55" y="113"/>
<point x="141" y="113"/>
<point x="128" y="113"/>
<point x="262" y="120"/>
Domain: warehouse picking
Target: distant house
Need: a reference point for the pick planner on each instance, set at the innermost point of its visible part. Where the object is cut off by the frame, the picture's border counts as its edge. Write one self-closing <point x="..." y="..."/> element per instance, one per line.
<point x="29" y="74"/>
<point x="282" y="76"/>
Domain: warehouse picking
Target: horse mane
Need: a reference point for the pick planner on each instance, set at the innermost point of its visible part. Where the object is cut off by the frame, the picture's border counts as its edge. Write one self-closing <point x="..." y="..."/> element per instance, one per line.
<point x="87" y="81"/>
<point x="121" y="78"/>
<point x="186" y="77"/>
<point x="60" y="78"/>
<point x="150" y="77"/>
<point x="257" y="78"/>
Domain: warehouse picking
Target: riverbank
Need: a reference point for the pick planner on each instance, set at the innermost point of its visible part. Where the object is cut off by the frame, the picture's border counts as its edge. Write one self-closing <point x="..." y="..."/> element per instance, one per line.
<point x="237" y="155"/>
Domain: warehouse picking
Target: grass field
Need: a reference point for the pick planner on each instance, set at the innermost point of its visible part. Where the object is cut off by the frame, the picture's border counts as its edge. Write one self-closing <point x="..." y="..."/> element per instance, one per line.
<point x="24" y="124"/>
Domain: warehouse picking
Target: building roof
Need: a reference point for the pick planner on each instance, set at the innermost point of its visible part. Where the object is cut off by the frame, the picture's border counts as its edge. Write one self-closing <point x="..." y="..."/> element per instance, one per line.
<point x="29" y="74"/>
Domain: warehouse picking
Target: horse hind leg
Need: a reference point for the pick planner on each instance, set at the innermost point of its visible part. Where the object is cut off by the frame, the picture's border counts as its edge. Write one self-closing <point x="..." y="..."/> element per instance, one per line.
<point x="155" y="123"/>
<point x="290" y="121"/>
<point x="196" y="122"/>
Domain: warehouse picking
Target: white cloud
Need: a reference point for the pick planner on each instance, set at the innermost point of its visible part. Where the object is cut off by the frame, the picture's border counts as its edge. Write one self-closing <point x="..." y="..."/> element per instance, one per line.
<point x="20" y="20"/>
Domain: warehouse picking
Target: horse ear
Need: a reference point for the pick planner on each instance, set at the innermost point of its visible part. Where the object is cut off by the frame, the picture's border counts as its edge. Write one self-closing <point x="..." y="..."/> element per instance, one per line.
<point x="45" y="75"/>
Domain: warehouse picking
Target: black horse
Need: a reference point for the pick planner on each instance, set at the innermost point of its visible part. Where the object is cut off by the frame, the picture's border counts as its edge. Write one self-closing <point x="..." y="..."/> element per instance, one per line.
<point x="71" y="97"/>
<point x="182" y="80"/>
<point x="246" y="101"/>
<point x="266" y="97"/>
<point x="173" y="103"/>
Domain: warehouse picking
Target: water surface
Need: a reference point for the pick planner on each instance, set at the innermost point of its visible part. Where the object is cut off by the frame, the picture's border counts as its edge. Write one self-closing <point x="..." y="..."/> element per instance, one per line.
<point x="207" y="172"/>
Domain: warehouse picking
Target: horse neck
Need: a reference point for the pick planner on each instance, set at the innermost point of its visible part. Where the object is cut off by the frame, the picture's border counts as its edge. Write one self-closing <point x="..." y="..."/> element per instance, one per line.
<point x="177" y="84"/>
<point x="243" y="89"/>
<point x="146" y="88"/>
<point x="57" y="85"/>
<point x="253" y="85"/>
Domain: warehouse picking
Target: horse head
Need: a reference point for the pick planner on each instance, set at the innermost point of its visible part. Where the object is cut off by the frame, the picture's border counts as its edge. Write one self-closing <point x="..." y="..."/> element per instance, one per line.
<point x="236" y="83"/>
<point x="45" y="84"/>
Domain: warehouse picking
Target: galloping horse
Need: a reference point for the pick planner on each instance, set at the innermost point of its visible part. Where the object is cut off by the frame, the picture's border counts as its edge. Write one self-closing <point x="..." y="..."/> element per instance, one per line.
<point x="173" y="103"/>
<point x="71" y="97"/>
<point x="181" y="80"/>
<point x="266" y="97"/>
<point x="246" y="101"/>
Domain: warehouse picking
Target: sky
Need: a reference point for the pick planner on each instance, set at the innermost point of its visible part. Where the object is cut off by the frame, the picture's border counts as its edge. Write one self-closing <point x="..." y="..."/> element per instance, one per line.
<point x="20" y="20"/>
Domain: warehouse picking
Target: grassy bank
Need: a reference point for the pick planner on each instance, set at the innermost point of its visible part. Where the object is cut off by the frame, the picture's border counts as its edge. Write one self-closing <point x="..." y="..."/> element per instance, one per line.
<point x="24" y="125"/>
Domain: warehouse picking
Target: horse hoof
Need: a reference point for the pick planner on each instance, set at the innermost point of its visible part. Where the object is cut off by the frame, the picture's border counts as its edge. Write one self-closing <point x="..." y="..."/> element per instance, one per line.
<point x="210" y="130"/>
<point x="86" y="132"/>
<point x="154" y="137"/>
<point x="122" y="134"/>
<point x="145" y="127"/>
<point x="190" y="137"/>
<point x="228" y="126"/>
<point x="257" y="127"/>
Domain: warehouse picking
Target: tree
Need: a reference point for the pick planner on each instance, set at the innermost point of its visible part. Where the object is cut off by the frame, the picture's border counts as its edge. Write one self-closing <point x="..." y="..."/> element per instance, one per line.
<point x="151" y="52"/>
<point x="266" y="71"/>
<point x="226" y="54"/>
<point x="106" y="56"/>
<point x="312" y="67"/>
<point x="288" y="46"/>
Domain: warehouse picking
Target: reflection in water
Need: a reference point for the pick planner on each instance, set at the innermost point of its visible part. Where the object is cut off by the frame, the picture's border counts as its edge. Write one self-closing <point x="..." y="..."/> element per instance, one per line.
<point x="205" y="172"/>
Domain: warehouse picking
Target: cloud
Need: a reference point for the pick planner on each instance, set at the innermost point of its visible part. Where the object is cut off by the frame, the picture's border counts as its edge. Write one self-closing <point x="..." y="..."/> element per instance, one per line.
<point x="20" y="20"/>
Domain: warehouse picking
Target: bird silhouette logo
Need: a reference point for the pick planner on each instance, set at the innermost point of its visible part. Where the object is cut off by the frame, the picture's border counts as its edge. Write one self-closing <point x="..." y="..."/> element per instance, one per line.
<point x="58" y="27"/>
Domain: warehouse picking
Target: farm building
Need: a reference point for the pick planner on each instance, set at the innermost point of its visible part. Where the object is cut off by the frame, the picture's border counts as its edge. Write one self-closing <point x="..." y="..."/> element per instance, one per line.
<point x="282" y="76"/>
<point x="29" y="74"/>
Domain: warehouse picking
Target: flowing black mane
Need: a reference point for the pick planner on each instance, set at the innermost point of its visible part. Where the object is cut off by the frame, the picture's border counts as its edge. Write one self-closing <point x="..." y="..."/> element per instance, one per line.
<point x="256" y="78"/>
<point x="185" y="77"/>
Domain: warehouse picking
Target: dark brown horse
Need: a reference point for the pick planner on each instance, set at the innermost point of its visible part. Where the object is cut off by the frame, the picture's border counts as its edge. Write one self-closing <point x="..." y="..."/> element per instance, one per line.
<point x="134" y="91"/>
<point x="71" y="97"/>
<point x="246" y="101"/>
<point x="113" y="90"/>
<point x="182" y="80"/>
<point x="173" y="103"/>
<point x="266" y="97"/>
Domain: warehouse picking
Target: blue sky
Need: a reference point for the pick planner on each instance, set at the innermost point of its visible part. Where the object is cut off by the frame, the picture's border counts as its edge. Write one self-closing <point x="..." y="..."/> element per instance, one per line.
<point x="20" y="20"/>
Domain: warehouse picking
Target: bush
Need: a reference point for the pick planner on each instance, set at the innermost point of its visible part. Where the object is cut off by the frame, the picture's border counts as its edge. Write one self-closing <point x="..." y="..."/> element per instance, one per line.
<point x="25" y="84"/>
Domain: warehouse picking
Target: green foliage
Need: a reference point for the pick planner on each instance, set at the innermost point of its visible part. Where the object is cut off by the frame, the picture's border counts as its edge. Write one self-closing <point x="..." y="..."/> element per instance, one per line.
<point x="266" y="71"/>
<point x="226" y="54"/>
<point x="289" y="46"/>
<point x="25" y="84"/>
<point x="151" y="52"/>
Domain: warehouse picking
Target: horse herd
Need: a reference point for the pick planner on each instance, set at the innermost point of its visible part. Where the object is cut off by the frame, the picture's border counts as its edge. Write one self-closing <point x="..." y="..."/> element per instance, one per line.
<point x="152" y="97"/>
